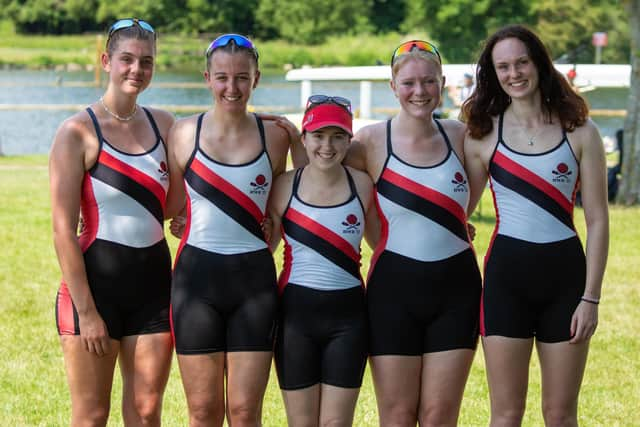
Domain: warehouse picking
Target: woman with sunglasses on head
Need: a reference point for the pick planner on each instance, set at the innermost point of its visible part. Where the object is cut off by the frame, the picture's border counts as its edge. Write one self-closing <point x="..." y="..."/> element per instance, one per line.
<point x="110" y="162"/>
<point x="224" y="295"/>
<point x="529" y="132"/>
<point x="423" y="291"/>
<point x="321" y="344"/>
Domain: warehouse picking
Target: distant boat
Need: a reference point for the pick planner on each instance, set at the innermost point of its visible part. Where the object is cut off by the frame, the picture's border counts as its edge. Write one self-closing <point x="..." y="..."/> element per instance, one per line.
<point x="585" y="88"/>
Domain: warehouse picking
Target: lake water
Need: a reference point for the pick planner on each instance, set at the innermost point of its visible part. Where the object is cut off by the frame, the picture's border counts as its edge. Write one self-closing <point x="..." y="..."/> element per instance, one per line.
<point x="31" y="131"/>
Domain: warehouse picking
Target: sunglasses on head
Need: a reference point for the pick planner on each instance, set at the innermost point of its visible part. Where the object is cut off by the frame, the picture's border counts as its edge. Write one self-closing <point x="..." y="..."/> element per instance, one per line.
<point x="315" y="100"/>
<point x="127" y="23"/>
<point x="415" y="44"/>
<point x="225" y="39"/>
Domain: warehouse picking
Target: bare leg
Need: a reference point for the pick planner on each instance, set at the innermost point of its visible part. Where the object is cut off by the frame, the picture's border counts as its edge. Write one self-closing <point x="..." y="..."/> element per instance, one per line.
<point x="247" y="377"/>
<point x="444" y="375"/>
<point x="90" y="379"/>
<point x="507" y="361"/>
<point x="145" y="361"/>
<point x="562" y="365"/>
<point x="337" y="406"/>
<point x="203" y="381"/>
<point x="396" y="381"/>
<point x="303" y="406"/>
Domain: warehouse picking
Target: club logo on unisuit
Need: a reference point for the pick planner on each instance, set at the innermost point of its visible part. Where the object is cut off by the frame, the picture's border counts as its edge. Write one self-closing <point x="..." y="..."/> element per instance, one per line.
<point x="164" y="171"/>
<point x="351" y="224"/>
<point x="459" y="182"/>
<point x="561" y="173"/>
<point x="259" y="185"/>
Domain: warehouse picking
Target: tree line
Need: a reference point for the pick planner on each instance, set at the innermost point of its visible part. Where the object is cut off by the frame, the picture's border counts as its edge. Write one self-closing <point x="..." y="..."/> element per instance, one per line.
<point x="457" y="26"/>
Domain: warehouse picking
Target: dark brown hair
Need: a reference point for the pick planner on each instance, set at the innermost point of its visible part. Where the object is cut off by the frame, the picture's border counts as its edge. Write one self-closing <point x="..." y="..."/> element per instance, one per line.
<point x="489" y="100"/>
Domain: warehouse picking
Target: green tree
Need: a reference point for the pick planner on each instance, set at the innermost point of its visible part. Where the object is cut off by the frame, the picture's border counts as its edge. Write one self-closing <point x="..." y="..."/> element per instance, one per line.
<point x="312" y="22"/>
<point x="388" y="15"/>
<point x="568" y="29"/>
<point x="224" y="16"/>
<point x="630" y="190"/>
<point x="458" y="27"/>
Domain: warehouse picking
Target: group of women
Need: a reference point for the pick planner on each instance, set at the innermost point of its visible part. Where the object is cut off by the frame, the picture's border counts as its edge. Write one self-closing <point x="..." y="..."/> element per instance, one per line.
<point x="407" y="185"/>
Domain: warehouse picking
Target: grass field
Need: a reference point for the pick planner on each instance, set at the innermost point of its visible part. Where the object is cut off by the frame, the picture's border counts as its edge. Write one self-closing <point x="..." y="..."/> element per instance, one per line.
<point x="33" y="390"/>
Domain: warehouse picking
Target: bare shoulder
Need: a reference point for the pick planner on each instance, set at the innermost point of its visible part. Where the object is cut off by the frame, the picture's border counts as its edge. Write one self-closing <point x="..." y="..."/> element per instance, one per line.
<point x="275" y="135"/>
<point x="359" y="177"/>
<point x="76" y="132"/>
<point x="483" y="146"/>
<point x="184" y="127"/>
<point x="163" y="118"/>
<point x="455" y="131"/>
<point x="370" y="134"/>
<point x="586" y="137"/>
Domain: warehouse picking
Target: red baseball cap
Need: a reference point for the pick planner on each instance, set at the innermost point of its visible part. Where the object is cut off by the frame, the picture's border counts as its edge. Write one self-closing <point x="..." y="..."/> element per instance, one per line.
<point x="325" y="115"/>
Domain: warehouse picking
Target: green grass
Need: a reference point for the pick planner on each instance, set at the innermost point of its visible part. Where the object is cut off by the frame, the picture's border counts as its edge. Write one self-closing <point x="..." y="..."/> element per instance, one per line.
<point x="33" y="390"/>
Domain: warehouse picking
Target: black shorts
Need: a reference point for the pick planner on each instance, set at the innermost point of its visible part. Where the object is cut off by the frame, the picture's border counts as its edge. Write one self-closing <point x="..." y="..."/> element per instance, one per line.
<point x="417" y="307"/>
<point x="131" y="288"/>
<point x="322" y="338"/>
<point x="532" y="289"/>
<point x="223" y="302"/>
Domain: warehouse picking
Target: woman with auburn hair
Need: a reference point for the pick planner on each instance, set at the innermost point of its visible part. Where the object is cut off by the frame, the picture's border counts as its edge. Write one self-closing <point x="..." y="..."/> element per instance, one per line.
<point x="529" y="133"/>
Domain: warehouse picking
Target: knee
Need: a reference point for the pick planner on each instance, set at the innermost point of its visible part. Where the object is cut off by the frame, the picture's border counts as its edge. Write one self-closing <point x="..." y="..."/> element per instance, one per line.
<point x="555" y="416"/>
<point x="507" y="417"/>
<point x="440" y="414"/>
<point x="93" y="417"/>
<point x="335" y="421"/>
<point x="206" y="413"/>
<point x="148" y="410"/>
<point x="243" y="414"/>
<point x="398" y="416"/>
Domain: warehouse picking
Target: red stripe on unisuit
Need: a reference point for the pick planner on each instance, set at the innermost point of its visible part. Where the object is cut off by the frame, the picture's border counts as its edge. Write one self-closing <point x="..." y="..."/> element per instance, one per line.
<point x="426" y="193"/>
<point x="323" y="233"/>
<point x="141" y="178"/>
<point x="533" y="179"/>
<point x="227" y="188"/>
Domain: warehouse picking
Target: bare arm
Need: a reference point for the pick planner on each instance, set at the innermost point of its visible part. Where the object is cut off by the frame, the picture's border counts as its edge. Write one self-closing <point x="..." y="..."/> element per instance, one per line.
<point x="180" y="144"/>
<point x="278" y="200"/>
<point x="477" y="173"/>
<point x="594" y="201"/>
<point x="67" y="165"/>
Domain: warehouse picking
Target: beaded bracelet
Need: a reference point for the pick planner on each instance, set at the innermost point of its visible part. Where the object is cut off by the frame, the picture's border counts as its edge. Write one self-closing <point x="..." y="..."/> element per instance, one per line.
<point x="590" y="300"/>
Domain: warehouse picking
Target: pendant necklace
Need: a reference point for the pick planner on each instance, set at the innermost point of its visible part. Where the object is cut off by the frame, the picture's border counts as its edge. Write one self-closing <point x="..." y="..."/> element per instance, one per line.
<point x="117" y="116"/>
<point x="531" y="138"/>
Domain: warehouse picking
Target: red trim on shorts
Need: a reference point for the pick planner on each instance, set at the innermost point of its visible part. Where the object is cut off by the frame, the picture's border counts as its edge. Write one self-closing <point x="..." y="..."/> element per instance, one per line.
<point x="64" y="309"/>
<point x="187" y="227"/>
<point x="286" y="265"/>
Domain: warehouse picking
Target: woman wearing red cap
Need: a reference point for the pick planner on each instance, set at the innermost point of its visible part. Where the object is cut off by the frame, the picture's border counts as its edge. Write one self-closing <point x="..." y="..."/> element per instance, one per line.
<point x="423" y="292"/>
<point x="224" y="293"/>
<point x="321" y="345"/>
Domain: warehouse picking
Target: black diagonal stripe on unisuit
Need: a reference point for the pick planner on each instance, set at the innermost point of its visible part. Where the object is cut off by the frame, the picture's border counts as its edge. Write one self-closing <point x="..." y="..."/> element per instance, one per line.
<point x="424" y="207"/>
<point x="530" y="192"/>
<point x="322" y="247"/>
<point x="225" y="203"/>
<point x="130" y="187"/>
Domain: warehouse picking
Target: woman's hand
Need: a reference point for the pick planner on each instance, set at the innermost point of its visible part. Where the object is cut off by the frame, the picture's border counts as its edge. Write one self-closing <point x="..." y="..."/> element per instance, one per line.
<point x="177" y="226"/>
<point x="584" y="322"/>
<point x="94" y="333"/>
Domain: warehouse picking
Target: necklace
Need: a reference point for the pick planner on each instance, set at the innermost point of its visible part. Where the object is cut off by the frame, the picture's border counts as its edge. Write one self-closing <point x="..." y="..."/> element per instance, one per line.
<point x="117" y="116"/>
<point x="531" y="138"/>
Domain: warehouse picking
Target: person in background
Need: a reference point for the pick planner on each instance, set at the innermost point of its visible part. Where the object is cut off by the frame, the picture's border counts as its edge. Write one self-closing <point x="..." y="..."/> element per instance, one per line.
<point x="321" y="345"/>
<point x="224" y="295"/>
<point x="424" y="322"/>
<point x="113" y="304"/>
<point x="529" y="133"/>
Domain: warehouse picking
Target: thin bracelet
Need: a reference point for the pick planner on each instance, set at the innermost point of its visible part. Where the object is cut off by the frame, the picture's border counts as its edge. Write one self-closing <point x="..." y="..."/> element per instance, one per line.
<point x="590" y="300"/>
